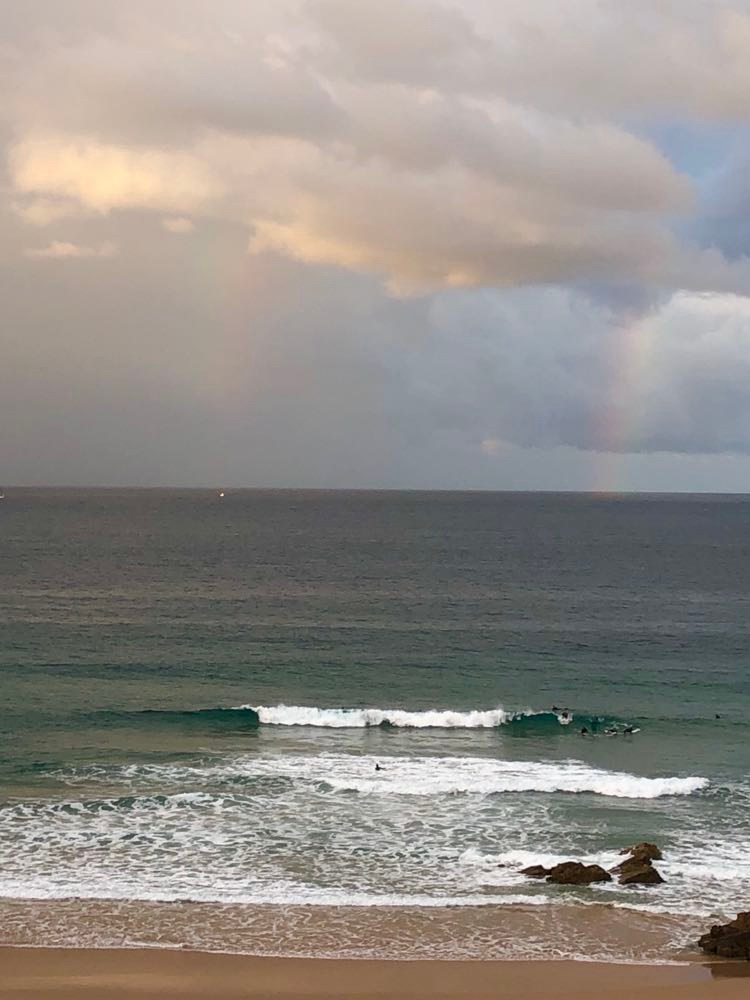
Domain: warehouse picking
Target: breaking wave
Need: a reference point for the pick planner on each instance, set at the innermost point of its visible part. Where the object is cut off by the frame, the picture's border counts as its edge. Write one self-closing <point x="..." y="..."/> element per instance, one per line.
<point x="526" y="722"/>
<point x="431" y="776"/>
<point x="423" y="777"/>
<point x="247" y="717"/>
<point x="361" y="718"/>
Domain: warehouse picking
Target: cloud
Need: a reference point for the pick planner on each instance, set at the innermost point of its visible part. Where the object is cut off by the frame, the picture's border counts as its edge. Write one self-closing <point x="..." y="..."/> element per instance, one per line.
<point x="594" y="57"/>
<point x="493" y="447"/>
<point x="61" y="250"/>
<point x="553" y="369"/>
<point x="414" y="141"/>
<point x="103" y="177"/>
<point x="180" y="225"/>
<point x="43" y="211"/>
<point x="443" y="242"/>
<point x="409" y="41"/>
<point x="269" y="372"/>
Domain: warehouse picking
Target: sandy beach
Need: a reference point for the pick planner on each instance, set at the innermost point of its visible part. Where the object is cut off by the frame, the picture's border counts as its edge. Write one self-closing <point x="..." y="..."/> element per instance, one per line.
<point x="69" y="974"/>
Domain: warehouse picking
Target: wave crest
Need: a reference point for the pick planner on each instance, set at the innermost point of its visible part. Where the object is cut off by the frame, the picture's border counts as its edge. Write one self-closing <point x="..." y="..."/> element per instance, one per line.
<point x="361" y="718"/>
<point x="244" y="717"/>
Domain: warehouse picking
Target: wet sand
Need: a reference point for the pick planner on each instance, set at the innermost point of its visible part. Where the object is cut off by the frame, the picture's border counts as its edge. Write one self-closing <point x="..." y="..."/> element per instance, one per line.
<point x="78" y="974"/>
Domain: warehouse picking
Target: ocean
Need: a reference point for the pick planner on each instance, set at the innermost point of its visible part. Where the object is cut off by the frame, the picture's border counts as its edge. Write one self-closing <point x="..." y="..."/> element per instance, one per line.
<point x="322" y="723"/>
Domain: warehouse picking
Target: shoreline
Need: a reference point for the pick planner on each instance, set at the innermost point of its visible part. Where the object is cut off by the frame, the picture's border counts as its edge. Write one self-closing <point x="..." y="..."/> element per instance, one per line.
<point x="506" y="933"/>
<point x="142" y="974"/>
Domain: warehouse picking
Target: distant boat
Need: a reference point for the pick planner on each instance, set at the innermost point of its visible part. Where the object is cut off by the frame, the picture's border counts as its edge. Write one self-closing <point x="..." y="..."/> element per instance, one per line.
<point x="221" y="494"/>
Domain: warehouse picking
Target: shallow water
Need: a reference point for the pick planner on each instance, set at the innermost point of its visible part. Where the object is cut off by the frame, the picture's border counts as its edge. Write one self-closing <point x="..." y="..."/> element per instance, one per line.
<point x="427" y="634"/>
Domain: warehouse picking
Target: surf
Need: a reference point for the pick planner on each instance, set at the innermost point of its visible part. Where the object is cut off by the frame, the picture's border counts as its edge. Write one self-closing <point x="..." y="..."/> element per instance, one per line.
<point x="362" y="718"/>
<point x="248" y="717"/>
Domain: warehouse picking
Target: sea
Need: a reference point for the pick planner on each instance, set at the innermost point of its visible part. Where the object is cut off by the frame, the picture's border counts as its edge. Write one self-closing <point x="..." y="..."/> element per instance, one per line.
<point x="339" y="723"/>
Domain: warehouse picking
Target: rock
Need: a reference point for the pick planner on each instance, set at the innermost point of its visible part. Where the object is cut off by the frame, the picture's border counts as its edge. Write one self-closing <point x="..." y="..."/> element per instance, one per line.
<point x="643" y="851"/>
<point x="640" y="873"/>
<point x="637" y="869"/>
<point x="536" y="871"/>
<point x="576" y="873"/>
<point x="630" y="865"/>
<point x="730" y="940"/>
<point x="627" y="865"/>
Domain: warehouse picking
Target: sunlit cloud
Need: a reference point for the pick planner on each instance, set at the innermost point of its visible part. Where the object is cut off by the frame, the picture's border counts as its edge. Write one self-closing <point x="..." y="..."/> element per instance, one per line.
<point x="104" y="177"/>
<point x="62" y="250"/>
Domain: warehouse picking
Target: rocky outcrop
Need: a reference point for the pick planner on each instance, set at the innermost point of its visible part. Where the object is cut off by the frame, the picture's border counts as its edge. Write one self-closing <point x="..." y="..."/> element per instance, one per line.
<point x="643" y="851"/>
<point x="569" y="873"/>
<point x="637" y="869"/>
<point x="640" y="873"/>
<point x="576" y="873"/>
<point x="730" y="940"/>
<point x="535" y="871"/>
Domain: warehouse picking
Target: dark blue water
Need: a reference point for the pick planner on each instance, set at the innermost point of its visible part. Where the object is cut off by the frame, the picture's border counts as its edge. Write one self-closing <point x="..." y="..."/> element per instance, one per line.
<point x="361" y="628"/>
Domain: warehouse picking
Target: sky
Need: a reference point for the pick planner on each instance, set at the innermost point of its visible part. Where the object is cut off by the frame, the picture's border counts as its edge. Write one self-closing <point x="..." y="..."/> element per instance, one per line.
<point x="451" y="244"/>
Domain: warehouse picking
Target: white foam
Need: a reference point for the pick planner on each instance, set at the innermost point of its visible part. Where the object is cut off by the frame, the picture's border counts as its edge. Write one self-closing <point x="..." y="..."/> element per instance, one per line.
<point x="266" y="826"/>
<point x="430" y="776"/>
<point x="360" y="718"/>
<point x="420" y="776"/>
<point x="282" y="893"/>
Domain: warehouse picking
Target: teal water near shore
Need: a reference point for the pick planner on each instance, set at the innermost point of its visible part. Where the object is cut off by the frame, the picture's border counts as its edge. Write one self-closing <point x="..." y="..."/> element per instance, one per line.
<point x="197" y="691"/>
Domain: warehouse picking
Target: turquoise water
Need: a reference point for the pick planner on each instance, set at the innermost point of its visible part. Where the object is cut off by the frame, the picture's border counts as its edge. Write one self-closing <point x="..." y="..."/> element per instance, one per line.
<point x="197" y="691"/>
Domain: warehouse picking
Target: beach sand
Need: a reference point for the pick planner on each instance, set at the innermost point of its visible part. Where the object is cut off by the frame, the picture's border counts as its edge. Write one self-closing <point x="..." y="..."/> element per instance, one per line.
<point x="78" y="974"/>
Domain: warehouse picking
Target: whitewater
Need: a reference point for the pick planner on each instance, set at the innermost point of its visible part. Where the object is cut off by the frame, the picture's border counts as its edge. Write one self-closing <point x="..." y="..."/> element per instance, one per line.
<point x="356" y="718"/>
<point x="374" y="829"/>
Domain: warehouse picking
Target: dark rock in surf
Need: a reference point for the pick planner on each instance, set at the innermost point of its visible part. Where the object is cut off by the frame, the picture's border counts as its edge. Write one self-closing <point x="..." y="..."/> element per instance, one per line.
<point x="643" y="851"/>
<point x="730" y="940"/>
<point x="576" y="873"/>
<point x="628" y="865"/>
<point x="536" y="871"/>
<point x="639" y="873"/>
<point x="637" y="869"/>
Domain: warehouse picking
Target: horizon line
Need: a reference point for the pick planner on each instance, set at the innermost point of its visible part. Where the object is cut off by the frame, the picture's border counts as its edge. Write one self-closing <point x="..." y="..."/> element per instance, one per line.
<point x="369" y="489"/>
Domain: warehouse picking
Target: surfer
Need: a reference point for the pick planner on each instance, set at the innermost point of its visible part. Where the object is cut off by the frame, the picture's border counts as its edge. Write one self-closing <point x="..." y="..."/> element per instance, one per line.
<point x="628" y="731"/>
<point x="379" y="768"/>
<point x="584" y="731"/>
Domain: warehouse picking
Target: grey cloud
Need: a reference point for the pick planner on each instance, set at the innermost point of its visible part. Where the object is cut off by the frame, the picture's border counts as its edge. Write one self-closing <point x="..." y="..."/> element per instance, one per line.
<point x="166" y="97"/>
<point x="546" y="369"/>
<point x="723" y="217"/>
<point x="593" y="56"/>
<point x="144" y="375"/>
<point x="407" y="41"/>
<point x="271" y="373"/>
<point x="593" y="164"/>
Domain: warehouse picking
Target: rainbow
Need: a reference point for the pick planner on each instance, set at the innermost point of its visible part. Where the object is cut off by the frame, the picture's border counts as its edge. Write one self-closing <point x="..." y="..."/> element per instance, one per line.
<point x="618" y="424"/>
